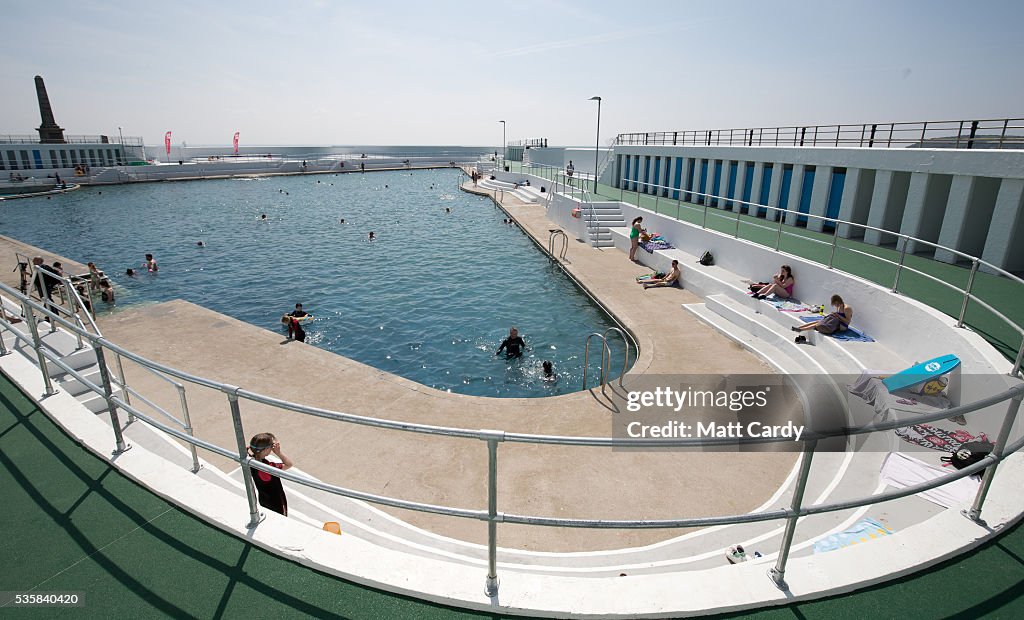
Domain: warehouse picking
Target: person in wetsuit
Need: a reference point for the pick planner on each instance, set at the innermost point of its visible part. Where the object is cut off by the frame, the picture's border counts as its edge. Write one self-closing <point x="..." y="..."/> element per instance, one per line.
<point x="513" y="345"/>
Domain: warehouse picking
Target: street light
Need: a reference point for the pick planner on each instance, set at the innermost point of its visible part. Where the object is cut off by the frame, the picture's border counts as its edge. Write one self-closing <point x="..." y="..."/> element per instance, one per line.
<point x="597" y="141"/>
<point x="502" y="144"/>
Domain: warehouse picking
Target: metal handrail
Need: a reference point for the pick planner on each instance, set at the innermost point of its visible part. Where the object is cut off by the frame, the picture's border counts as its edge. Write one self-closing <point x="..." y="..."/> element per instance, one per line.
<point x="958" y="134"/>
<point x="606" y="352"/>
<point x="558" y="233"/>
<point x="752" y="207"/>
<point x="1013" y="394"/>
<point x="625" y="354"/>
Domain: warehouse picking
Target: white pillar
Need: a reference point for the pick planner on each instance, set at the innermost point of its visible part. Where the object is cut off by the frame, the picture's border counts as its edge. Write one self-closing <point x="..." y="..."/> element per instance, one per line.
<point x="774" y="190"/>
<point x="856" y="197"/>
<point x="917" y="201"/>
<point x="796" y="189"/>
<point x="1007" y="225"/>
<point x="961" y="194"/>
<point x="820" y="197"/>
<point x="755" y="187"/>
<point x="881" y="202"/>
<point x="741" y="185"/>
<point x="666" y="165"/>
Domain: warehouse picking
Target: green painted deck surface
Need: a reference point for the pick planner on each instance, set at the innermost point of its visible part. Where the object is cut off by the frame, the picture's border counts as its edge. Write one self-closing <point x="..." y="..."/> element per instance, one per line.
<point x="72" y="523"/>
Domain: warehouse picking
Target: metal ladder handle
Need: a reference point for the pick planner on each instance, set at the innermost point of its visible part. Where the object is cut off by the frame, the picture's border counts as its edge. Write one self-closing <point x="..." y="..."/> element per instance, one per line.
<point x="557" y="233"/>
<point x="605" y="352"/>
<point x="625" y="358"/>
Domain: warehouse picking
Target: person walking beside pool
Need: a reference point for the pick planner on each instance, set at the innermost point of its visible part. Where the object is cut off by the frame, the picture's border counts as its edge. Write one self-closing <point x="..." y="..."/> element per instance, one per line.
<point x="268" y="486"/>
<point x="513" y="345"/>
<point x="634" y="237"/>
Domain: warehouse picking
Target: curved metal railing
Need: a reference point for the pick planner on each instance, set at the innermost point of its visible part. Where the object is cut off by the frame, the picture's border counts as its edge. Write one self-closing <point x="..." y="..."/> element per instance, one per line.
<point x="234" y="395"/>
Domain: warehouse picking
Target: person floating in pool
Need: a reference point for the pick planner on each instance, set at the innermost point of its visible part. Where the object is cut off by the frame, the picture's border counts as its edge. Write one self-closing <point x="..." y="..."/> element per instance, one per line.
<point x="294" y="320"/>
<point x="513" y="345"/>
<point x="549" y="371"/>
<point x="372" y="236"/>
<point x="150" y="264"/>
<point x="263" y="217"/>
<point x="130" y="272"/>
<point x="268" y="486"/>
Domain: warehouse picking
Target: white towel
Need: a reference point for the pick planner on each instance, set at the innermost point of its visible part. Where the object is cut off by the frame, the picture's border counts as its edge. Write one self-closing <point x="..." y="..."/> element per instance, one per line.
<point x="901" y="471"/>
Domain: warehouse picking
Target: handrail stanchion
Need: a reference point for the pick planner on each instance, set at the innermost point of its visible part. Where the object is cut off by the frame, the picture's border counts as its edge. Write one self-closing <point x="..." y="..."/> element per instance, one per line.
<point x="738" y="215"/>
<point x="1020" y="358"/>
<point x="704" y="224"/>
<point x="778" y="572"/>
<point x="255" y="516"/>
<point x="493" y="437"/>
<point x="899" y="266"/>
<point x="30" y="318"/>
<point x="625" y="358"/>
<point x="967" y="293"/>
<point x="124" y="385"/>
<point x="188" y="428"/>
<point x="835" y="243"/>
<point x="778" y="237"/>
<point x="974" y="514"/>
<point x="108" y="394"/>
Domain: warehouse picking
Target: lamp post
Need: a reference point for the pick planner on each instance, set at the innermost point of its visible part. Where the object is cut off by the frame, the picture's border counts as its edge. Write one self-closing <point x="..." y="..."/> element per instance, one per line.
<point x="502" y="144"/>
<point x="597" y="141"/>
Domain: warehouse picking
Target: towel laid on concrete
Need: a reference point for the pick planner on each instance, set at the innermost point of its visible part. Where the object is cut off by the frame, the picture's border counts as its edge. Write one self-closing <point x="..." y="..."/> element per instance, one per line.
<point x="901" y="471"/>
<point x="860" y="532"/>
<point x="850" y="334"/>
<point x="789" y="304"/>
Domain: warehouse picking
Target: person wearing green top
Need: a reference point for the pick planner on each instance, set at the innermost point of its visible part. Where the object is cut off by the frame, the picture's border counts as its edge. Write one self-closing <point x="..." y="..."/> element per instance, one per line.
<point x="634" y="237"/>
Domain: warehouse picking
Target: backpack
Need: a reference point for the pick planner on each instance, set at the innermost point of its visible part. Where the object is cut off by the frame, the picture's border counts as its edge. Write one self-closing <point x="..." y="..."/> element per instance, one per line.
<point x="706" y="259"/>
<point x="969" y="454"/>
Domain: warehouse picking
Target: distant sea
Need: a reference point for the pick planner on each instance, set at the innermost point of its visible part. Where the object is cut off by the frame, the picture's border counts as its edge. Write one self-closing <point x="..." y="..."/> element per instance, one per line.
<point x="455" y="152"/>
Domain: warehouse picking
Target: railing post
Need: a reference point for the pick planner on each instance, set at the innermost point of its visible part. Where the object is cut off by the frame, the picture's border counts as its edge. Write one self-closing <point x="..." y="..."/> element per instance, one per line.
<point x="108" y="394"/>
<point x="778" y="237"/>
<point x="255" y="516"/>
<point x="899" y="266"/>
<point x="188" y="428"/>
<point x="738" y="214"/>
<point x="967" y="293"/>
<point x="704" y="224"/>
<point x="492" y="438"/>
<point x="974" y="514"/>
<point x="30" y="318"/>
<point x="778" y="572"/>
<point x="124" y="385"/>
<point x="835" y="244"/>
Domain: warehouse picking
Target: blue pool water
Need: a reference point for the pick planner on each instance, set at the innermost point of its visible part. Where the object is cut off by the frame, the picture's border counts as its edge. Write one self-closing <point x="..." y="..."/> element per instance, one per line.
<point x="430" y="300"/>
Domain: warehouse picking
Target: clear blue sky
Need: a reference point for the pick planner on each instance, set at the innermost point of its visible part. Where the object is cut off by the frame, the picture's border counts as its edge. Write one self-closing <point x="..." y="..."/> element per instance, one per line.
<point x="444" y="72"/>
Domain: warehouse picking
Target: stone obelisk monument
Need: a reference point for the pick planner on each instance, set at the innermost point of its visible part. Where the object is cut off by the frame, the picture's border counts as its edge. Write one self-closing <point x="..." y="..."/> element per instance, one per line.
<point x="49" y="132"/>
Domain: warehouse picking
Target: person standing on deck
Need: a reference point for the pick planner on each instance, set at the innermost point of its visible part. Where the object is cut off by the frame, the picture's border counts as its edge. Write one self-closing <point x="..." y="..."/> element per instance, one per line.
<point x="268" y="486"/>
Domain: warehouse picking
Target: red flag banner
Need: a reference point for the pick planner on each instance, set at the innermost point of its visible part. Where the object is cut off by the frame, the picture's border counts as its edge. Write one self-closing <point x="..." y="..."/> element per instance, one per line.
<point x="236" y="143"/>
<point x="167" y="142"/>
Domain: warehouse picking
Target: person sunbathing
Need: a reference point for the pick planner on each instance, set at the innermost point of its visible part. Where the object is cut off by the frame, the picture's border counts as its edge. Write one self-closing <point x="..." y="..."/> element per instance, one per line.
<point x="834" y="322"/>
<point x="672" y="278"/>
<point x="781" y="285"/>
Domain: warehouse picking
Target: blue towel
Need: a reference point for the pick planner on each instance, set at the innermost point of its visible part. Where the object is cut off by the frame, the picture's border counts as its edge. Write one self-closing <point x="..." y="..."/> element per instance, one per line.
<point x="865" y="530"/>
<point x="850" y="334"/>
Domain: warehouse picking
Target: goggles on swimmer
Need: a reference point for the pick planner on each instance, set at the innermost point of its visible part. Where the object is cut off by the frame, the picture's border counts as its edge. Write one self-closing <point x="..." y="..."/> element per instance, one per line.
<point x="256" y="448"/>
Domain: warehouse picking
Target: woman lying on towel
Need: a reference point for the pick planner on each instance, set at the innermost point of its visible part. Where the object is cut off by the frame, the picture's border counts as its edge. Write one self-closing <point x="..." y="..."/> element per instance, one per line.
<point x="835" y="322"/>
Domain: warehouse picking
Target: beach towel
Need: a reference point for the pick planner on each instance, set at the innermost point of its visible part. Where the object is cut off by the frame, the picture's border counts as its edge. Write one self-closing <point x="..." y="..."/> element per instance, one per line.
<point x="850" y="334"/>
<point x="862" y="531"/>
<point x="901" y="471"/>
<point x="935" y="438"/>
<point x="656" y="242"/>
<point x="790" y="304"/>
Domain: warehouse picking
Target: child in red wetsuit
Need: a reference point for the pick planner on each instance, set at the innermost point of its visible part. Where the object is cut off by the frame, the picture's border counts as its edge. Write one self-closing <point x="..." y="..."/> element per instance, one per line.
<point x="268" y="486"/>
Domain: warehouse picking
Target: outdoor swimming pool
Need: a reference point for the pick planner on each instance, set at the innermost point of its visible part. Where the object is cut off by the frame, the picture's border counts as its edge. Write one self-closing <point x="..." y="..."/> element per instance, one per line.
<point x="430" y="300"/>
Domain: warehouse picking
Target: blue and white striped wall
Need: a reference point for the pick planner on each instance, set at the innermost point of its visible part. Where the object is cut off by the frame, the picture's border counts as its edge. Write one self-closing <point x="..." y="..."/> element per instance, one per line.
<point x="972" y="201"/>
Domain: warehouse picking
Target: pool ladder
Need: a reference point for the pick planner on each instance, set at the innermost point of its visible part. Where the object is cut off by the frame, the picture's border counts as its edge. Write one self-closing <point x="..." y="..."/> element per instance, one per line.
<point x="557" y="233"/>
<point x="606" y="356"/>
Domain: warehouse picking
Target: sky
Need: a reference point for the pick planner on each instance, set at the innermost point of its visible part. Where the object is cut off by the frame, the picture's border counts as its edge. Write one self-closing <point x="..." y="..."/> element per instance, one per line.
<point x="445" y="72"/>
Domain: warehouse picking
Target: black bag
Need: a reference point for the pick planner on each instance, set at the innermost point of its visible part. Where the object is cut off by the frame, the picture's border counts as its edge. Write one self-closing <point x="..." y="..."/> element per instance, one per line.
<point x="706" y="259"/>
<point x="969" y="454"/>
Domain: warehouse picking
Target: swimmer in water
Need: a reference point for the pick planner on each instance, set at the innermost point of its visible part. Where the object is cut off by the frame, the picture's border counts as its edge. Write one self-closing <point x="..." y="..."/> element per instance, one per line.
<point x="372" y="237"/>
<point x="150" y="264"/>
<point x="447" y="209"/>
<point x="200" y="243"/>
<point x="130" y="273"/>
<point x="263" y="217"/>
<point x="513" y="345"/>
<point x="341" y="221"/>
<point x="549" y="371"/>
